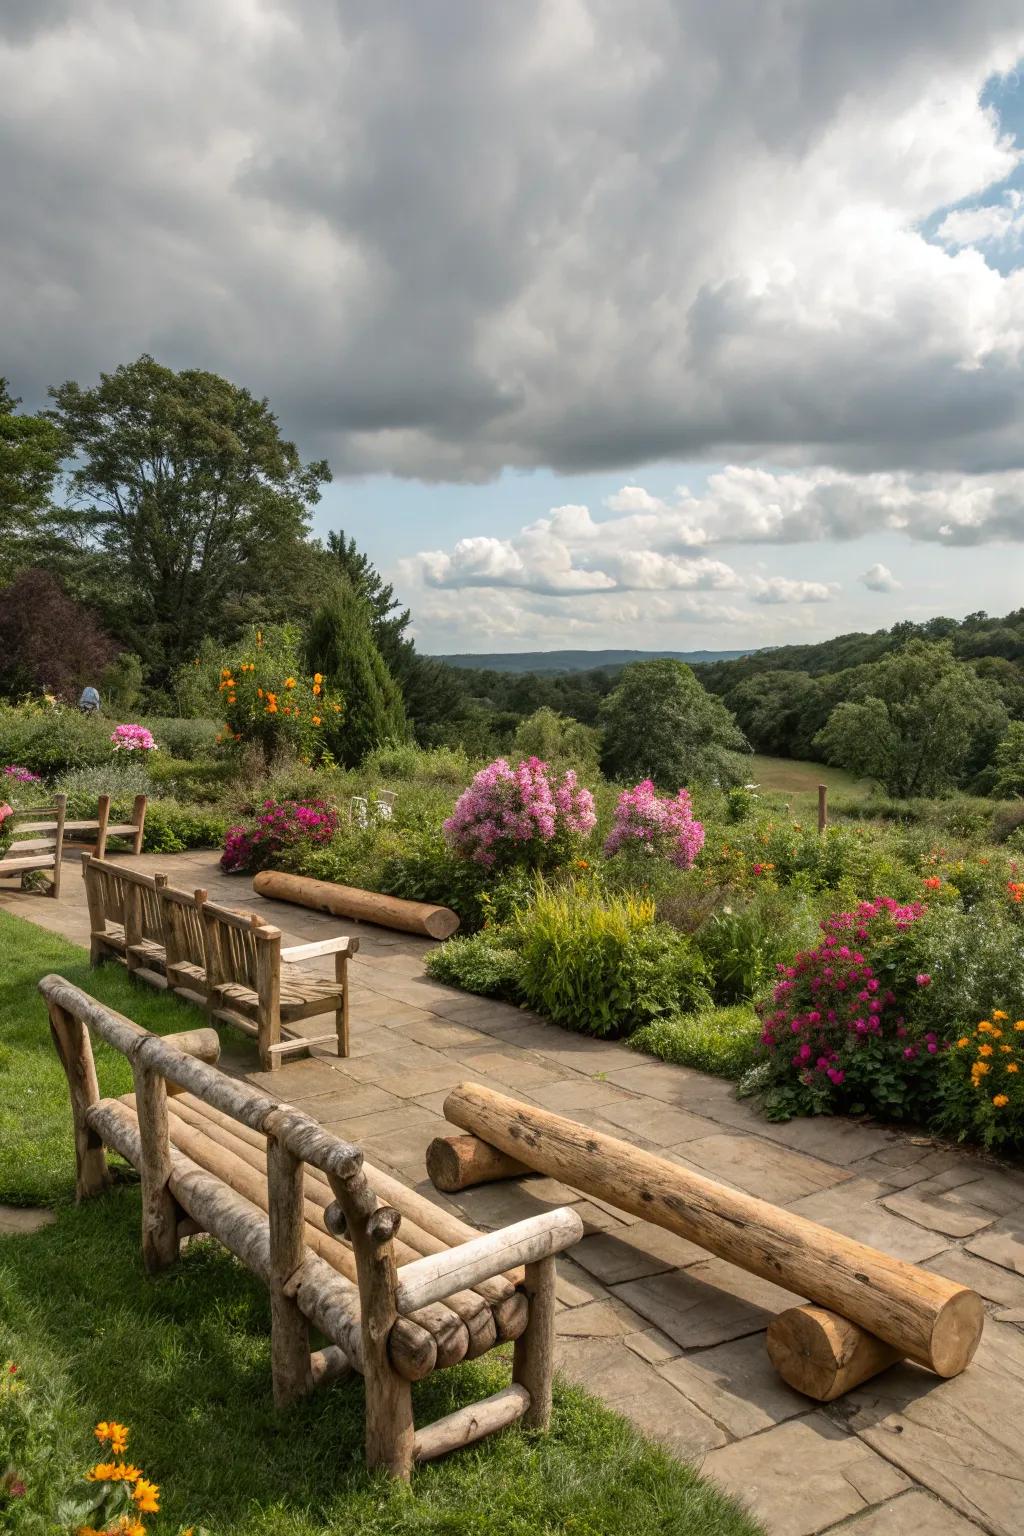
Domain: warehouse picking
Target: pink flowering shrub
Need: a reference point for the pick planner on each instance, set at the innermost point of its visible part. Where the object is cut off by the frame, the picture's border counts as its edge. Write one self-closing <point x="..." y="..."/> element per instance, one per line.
<point x="659" y="825"/>
<point x="522" y="815"/>
<point x="280" y="826"/>
<point x="839" y="1029"/>
<point x="132" y="738"/>
<point x="21" y="775"/>
<point x="6" y="826"/>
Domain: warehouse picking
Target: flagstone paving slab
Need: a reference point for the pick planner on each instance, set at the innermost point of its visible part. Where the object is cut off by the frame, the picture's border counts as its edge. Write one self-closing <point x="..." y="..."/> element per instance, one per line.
<point x="736" y="1385"/>
<point x="761" y="1168"/>
<point x="942" y="1210"/>
<point x="706" y="1303"/>
<point x="804" y="1476"/>
<point x="998" y="1285"/>
<point x="912" y="1514"/>
<point x="853" y="1209"/>
<point x="1003" y="1244"/>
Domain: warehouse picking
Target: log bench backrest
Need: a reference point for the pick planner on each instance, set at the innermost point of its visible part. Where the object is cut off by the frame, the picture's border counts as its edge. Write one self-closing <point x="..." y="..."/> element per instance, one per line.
<point x="143" y="909"/>
<point x="38" y="845"/>
<point x="183" y="926"/>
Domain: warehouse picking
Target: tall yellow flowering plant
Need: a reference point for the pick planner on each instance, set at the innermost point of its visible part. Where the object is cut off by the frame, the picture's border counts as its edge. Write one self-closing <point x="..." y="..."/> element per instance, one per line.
<point x="118" y="1497"/>
<point x="266" y="699"/>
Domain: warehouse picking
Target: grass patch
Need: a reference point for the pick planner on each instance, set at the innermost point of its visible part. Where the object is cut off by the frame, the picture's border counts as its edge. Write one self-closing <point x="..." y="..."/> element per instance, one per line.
<point x="791" y="775"/>
<point x="184" y="1358"/>
<point x="718" y="1040"/>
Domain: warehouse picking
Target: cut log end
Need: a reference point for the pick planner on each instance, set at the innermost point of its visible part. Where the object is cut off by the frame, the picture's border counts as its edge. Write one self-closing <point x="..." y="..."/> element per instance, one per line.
<point x="460" y="1162"/>
<point x="957" y="1333"/>
<point x="823" y="1355"/>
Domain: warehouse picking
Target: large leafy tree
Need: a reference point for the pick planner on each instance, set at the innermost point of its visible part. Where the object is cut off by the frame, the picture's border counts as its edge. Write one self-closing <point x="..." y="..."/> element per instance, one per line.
<point x="659" y="723"/>
<point x="388" y="619"/>
<point x="47" y="640"/>
<point x="198" y="505"/>
<point x="31" y="449"/>
<point x="340" y="645"/>
<point x="918" y="721"/>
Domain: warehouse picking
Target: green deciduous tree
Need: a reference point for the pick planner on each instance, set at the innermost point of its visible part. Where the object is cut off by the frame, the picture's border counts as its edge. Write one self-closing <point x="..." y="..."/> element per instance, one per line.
<point x="341" y="646"/>
<point x="31" y="449"/>
<point x="914" y="722"/>
<point x="1009" y="762"/>
<point x="197" y="503"/>
<point x="659" y="723"/>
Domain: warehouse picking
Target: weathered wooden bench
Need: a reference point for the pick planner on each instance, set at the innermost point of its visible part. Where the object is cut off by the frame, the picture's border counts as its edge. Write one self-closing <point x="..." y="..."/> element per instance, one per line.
<point x="37" y="844"/>
<point x="246" y="986"/>
<point x="100" y="824"/>
<point x="320" y="1227"/>
<point x="125" y="918"/>
<point x="184" y="944"/>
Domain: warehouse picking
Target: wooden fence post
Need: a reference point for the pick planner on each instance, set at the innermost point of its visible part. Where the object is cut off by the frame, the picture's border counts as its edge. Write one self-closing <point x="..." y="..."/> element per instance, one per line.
<point x="533" y="1357"/>
<point x="289" y="1331"/>
<point x="160" y="1210"/>
<point x="822" y="807"/>
<point x="71" y="1038"/>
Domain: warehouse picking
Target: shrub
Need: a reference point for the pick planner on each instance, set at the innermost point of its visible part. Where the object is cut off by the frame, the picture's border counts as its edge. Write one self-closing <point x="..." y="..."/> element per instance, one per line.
<point x="280" y="827"/>
<point x="837" y="1029"/>
<point x="6" y="825"/>
<point x="602" y="964"/>
<point x="434" y="765"/>
<point x="266" y="699"/>
<point x="122" y="779"/>
<point x="172" y="827"/>
<point x="981" y="1087"/>
<point x="743" y="942"/>
<point x="519" y="815"/>
<point x="186" y="739"/>
<point x="485" y="963"/>
<point x="656" y="825"/>
<point x="660" y="723"/>
<point x="49" y="741"/>
<point x="558" y="739"/>
<point x="340" y="644"/>
<point x="719" y="1040"/>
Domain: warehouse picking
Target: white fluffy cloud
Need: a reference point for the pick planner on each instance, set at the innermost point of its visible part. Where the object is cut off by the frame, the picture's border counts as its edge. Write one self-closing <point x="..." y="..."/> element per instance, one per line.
<point x="879" y="578"/>
<point x="783" y="589"/>
<point x="447" y="239"/>
<point x="998" y="224"/>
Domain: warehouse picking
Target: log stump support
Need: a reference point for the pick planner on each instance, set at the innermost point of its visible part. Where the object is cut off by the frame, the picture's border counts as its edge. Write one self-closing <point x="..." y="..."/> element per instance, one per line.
<point x="534" y="1350"/>
<point x="74" y="1047"/>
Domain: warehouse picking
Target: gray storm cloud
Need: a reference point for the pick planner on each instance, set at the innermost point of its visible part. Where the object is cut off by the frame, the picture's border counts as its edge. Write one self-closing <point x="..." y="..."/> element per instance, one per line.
<point x="445" y="239"/>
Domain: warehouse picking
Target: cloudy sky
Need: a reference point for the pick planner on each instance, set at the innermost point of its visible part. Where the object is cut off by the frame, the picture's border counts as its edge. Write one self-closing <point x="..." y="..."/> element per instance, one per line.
<point x="673" y="324"/>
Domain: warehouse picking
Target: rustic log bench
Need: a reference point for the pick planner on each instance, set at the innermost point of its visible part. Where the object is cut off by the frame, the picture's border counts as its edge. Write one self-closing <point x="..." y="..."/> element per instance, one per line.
<point x="872" y="1309"/>
<point x="37" y="844"/>
<point x="100" y="824"/>
<point x="304" y="1211"/>
<point x="125" y="918"/>
<point x="247" y="988"/>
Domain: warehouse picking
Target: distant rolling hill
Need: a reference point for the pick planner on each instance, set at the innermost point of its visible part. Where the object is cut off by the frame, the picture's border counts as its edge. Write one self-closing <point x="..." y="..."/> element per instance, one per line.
<point x="579" y="661"/>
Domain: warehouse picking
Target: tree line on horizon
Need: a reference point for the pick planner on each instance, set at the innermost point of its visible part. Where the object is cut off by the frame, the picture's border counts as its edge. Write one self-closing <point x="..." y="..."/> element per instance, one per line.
<point x="159" y="512"/>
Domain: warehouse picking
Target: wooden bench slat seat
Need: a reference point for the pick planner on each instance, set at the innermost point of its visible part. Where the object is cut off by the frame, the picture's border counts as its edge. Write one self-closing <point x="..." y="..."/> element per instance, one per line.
<point x="398" y="1289"/>
<point x="43" y="852"/>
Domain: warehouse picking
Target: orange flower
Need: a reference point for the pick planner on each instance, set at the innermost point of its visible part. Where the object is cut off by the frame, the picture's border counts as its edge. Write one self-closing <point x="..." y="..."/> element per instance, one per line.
<point x="147" y="1497"/>
<point x="1000" y="1100"/>
<point x="984" y="1050"/>
<point x="232" y="699"/>
<point x="259" y="693"/>
<point x="932" y="883"/>
<point x="289" y="682"/>
<point x="317" y="720"/>
<point x="271" y="709"/>
<point x="1011" y="1066"/>
<point x="316" y="689"/>
<point x="115" y="1434"/>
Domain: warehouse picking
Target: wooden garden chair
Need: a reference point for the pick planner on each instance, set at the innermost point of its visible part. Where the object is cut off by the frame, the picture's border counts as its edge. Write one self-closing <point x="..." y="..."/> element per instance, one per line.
<point x="246" y="986"/>
<point x="397" y="1285"/>
<point x="37" y="844"/>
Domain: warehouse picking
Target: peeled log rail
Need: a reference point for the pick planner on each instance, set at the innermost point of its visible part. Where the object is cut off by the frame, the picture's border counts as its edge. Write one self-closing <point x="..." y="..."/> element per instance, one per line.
<point x="363" y="906"/>
<point x="824" y="1355"/>
<point x="923" y="1316"/>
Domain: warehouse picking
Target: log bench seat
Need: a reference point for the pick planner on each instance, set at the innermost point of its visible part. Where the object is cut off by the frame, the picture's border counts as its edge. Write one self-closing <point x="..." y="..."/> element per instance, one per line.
<point x="397" y="1286"/>
<point x="37" y="845"/>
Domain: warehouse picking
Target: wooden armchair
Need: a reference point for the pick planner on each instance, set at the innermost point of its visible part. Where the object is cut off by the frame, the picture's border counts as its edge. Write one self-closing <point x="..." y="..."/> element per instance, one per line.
<point x="38" y="844"/>
<point x="246" y="986"/>
<point x="320" y="1227"/>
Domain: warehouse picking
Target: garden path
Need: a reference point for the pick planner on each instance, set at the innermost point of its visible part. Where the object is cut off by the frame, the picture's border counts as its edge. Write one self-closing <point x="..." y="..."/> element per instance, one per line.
<point x="663" y="1333"/>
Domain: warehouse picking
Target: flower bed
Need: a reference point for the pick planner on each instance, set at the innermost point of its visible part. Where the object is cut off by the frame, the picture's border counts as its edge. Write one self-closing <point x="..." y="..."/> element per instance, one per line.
<point x="279" y="827"/>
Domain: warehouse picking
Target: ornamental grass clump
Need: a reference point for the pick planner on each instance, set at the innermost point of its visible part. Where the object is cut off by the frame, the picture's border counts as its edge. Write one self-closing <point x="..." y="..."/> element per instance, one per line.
<point x="280" y="827"/>
<point x="521" y="815"/>
<point x="839" y="1030"/>
<point x="661" y="826"/>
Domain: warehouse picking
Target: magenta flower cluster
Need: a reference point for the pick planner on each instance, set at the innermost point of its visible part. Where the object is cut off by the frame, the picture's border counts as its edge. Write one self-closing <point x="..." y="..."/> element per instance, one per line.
<point x="21" y="775"/>
<point x="830" y="1000"/>
<point x="510" y="815"/>
<point x="657" y="824"/>
<point x="279" y="825"/>
<point x="132" y="738"/>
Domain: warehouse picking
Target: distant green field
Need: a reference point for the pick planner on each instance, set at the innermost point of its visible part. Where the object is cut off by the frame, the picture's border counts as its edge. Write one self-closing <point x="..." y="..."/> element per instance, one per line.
<point x="789" y="776"/>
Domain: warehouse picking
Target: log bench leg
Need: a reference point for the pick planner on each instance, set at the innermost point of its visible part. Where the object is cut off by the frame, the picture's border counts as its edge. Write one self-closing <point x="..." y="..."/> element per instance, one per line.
<point x="289" y="1331"/>
<point x="161" y="1213"/>
<point x="71" y="1038"/>
<point x="341" y="1012"/>
<point x="533" y="1358"/>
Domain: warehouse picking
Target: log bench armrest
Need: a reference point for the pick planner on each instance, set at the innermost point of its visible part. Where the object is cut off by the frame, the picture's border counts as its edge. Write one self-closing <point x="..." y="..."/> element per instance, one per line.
<point x="339" y="946"/>
<point x="526" y="1242"/>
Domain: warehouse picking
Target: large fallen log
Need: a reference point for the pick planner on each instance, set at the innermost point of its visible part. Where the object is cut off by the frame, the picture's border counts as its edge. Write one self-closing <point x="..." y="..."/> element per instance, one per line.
<point x="364" y="906"/>
<point x="922" y="1315"/>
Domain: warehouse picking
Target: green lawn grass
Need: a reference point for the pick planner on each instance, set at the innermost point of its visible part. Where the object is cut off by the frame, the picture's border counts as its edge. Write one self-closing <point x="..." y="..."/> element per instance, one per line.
<point x="184" y="1358"/>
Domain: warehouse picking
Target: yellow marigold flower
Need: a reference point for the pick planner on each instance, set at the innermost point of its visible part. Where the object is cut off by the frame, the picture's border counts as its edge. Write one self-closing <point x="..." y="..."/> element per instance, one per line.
<point x="1011" y="1066"/>
<point x="147" y="1497"/>
<point x="984" y="1050"/>
<point x="116" y="1434"/>
<point x="289" y="682"/>
<point x="271" y="709"/>
<point x="997" y="1013"/>
<point x="981" y="1067"/>
<point x="317" y="720"/>
<point x="985" y="1027"/>
<point x="1000" y="1100"/>
<point x="225" y="671"/>
<point x="316" y="689"/>
<point x="318" y="677"/>
<point x="962" y="1043"/>
<point x="1006" y="1049"/>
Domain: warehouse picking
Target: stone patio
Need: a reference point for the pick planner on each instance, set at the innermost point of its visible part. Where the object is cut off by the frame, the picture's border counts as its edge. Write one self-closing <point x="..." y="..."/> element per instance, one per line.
<point x="650" y="1323"/>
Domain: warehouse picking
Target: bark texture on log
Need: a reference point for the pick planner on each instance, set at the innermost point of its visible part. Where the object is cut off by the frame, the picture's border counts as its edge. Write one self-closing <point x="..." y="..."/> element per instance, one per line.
<point x="472" y="1423"/>
<point x="71" y="1038"/>
<point x="926" y="1317"/>
<point x="823" y="1355"/>
<point x="462" y="1162"/>
<point x="533" y="1363"/>
<point x="363" y="906"/>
